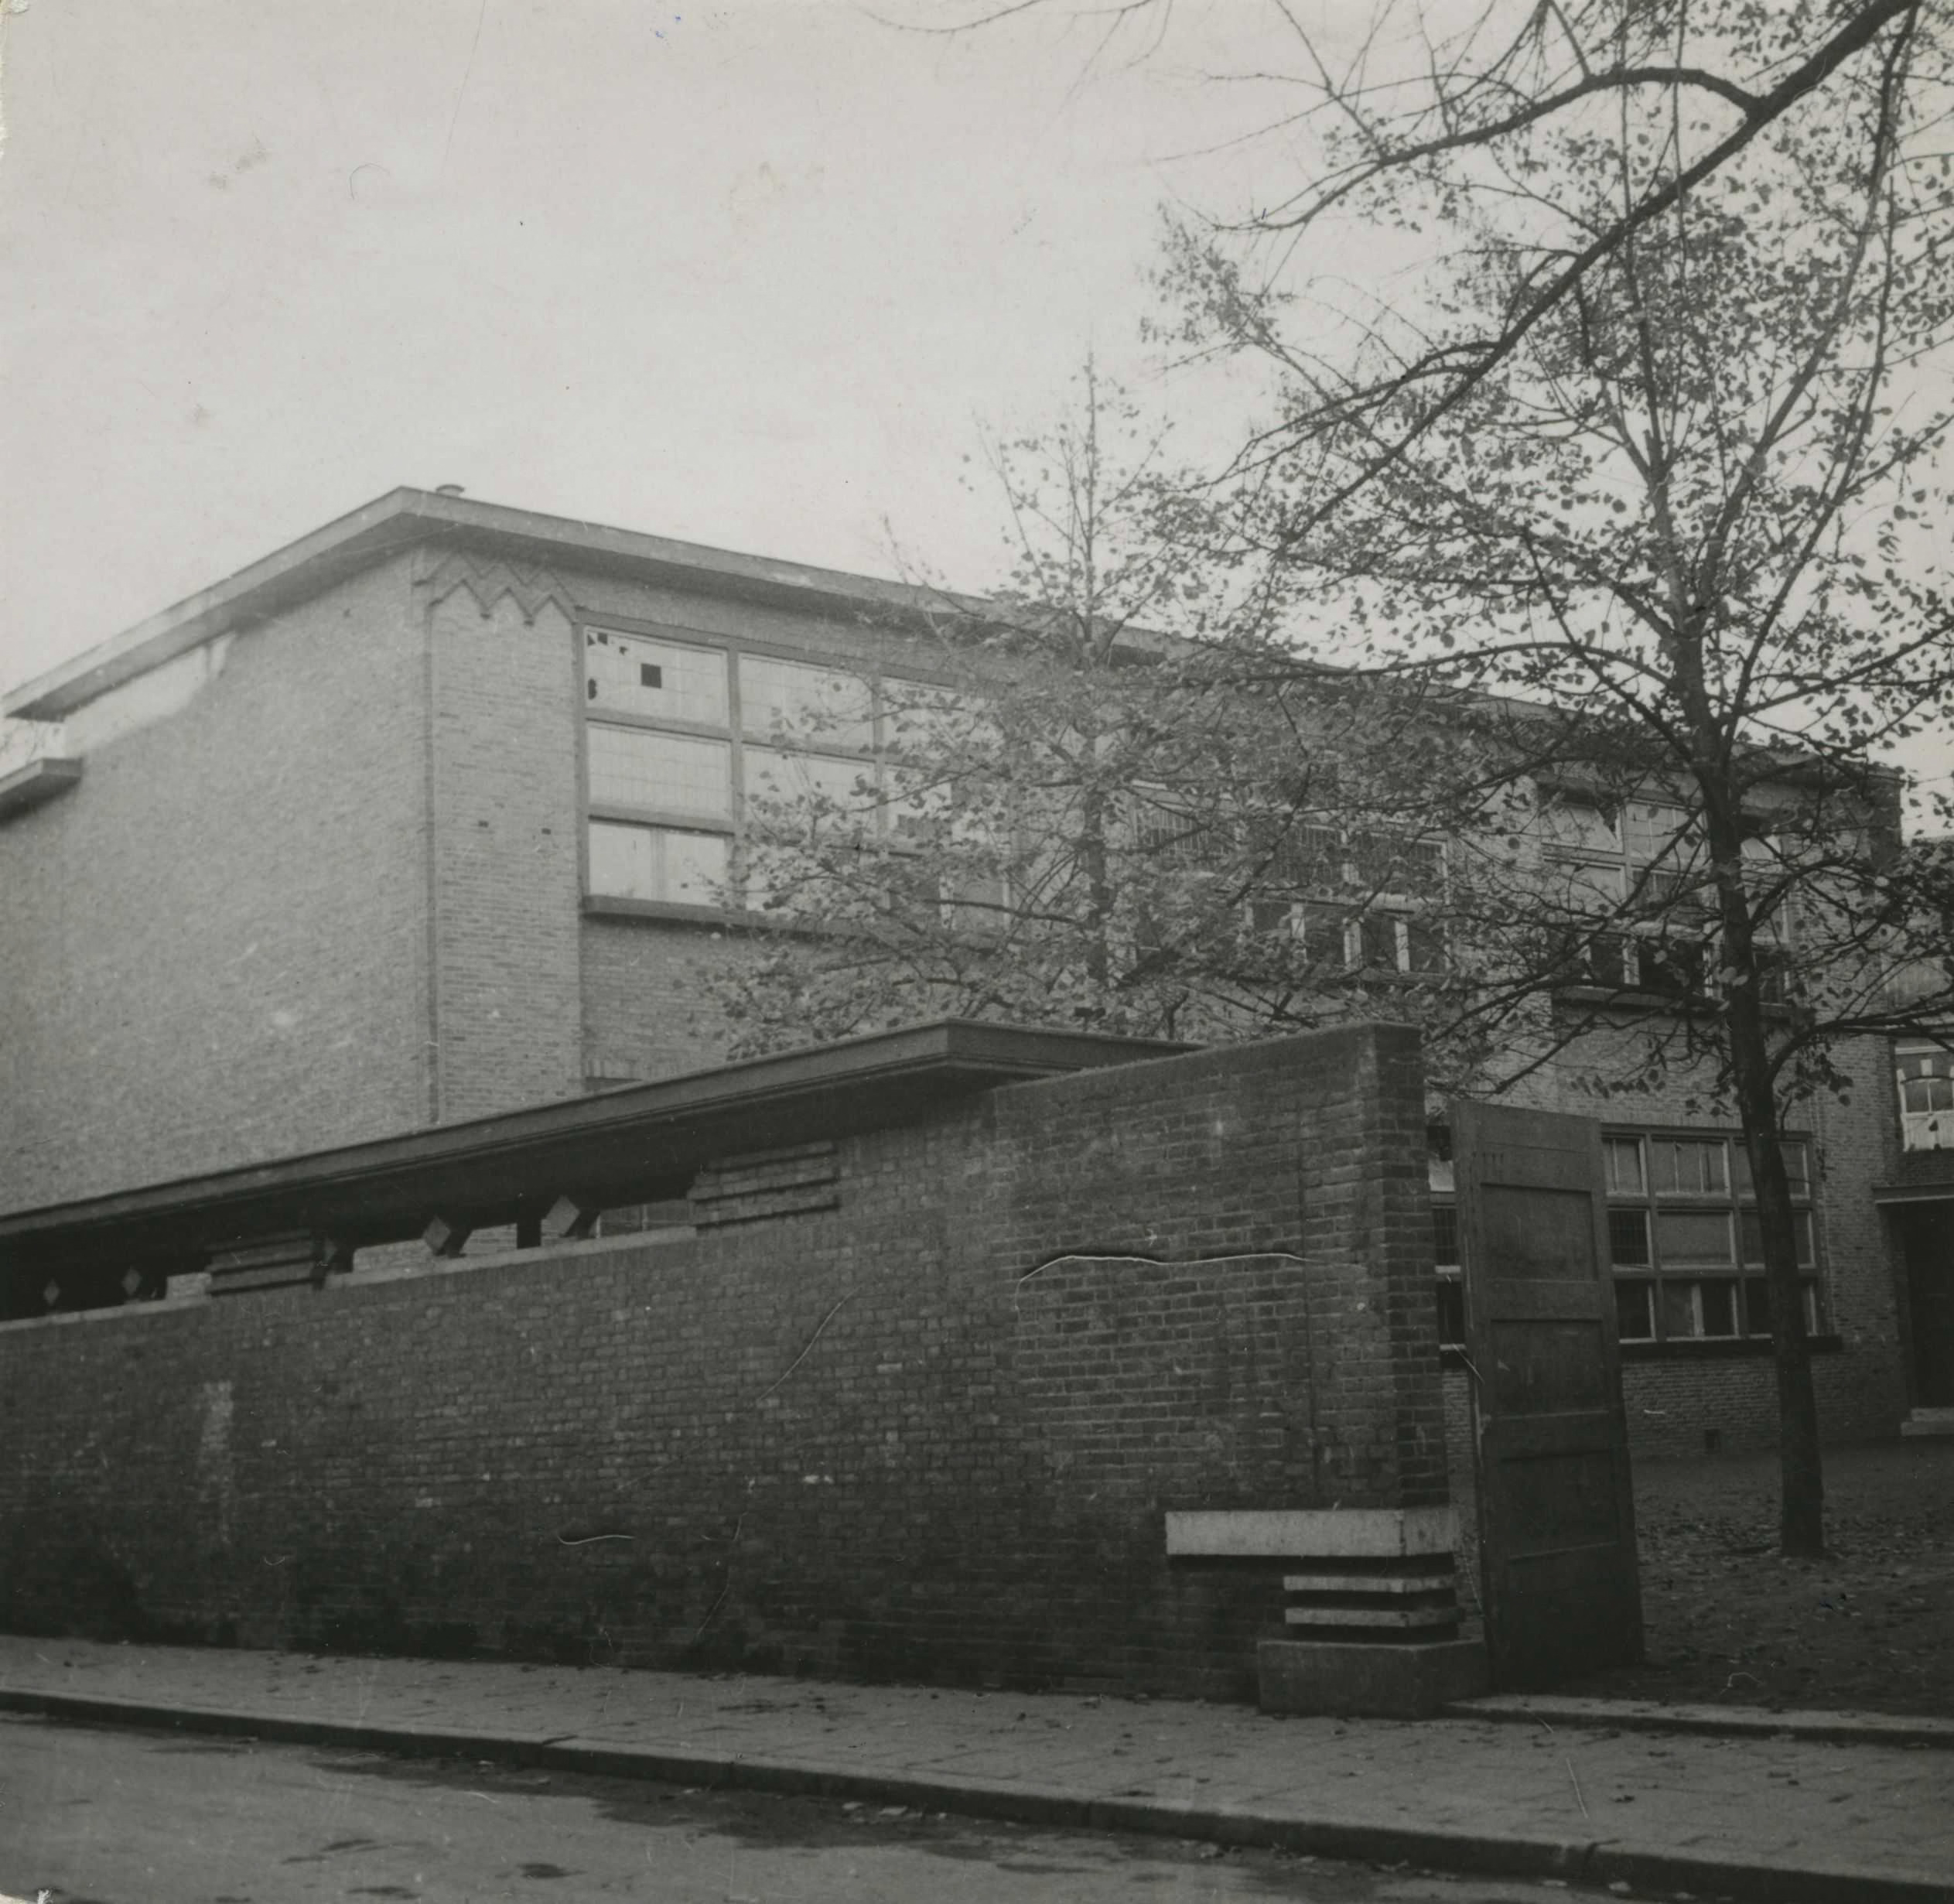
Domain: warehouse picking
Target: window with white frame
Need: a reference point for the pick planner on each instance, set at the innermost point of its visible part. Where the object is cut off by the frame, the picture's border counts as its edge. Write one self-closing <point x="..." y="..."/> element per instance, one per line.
<point x="1600" y="860"/>
<point x="969" y="879"/>
<point x="1924" y="1074"/>
<point x="1445" y="1238"/>
<point x="1645" y="856"/>
<point x="1359" y="899"/>
<point x="1170" y="846"/>
<point x="1684" y="1238"/>
<point x="695" y="751"/>
<point x="1186" y="842"/>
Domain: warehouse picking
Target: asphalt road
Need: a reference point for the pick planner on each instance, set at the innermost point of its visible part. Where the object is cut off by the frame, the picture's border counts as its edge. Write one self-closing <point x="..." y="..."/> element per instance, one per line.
<point x="96" y="1816"/>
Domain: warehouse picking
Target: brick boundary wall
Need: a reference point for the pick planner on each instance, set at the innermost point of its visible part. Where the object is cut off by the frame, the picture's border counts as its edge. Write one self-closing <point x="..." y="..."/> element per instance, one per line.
<point x="929" y="1434"/>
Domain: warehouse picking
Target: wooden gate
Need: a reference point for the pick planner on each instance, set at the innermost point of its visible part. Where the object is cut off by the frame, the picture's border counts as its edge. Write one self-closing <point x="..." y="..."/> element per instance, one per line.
<point x="1556" y="1504"/>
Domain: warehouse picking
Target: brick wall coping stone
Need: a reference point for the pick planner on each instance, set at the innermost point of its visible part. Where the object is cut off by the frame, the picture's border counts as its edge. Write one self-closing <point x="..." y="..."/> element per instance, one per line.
<point x="1313" y="1533"/>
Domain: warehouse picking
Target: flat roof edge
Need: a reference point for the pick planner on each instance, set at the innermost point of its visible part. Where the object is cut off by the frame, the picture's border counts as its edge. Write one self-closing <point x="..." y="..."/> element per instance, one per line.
<point x="405" y="516"/>
<point x="181" y="626"/>
<point x="36" y="783"/>
<point x="1885" y="1195"/>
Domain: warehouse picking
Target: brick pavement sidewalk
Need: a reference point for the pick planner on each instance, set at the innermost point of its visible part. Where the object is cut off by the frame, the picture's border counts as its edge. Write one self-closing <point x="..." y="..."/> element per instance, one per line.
<point x="1777" y="1817"/>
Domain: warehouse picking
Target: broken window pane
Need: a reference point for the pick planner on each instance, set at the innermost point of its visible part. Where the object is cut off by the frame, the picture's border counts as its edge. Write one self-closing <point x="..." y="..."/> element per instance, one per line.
<point x="1634" y="1310"/>
<point x="634" y="674"/>
<point x="1579" y="826"/>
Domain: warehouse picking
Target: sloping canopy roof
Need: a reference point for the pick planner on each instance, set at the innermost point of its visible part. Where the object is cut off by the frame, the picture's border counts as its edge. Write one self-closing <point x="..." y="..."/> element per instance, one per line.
<point x="634" y="1145"/>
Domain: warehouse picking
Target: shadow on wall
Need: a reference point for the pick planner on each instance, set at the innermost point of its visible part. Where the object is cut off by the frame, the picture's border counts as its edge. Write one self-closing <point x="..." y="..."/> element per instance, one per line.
<point x="68" y="1585"/>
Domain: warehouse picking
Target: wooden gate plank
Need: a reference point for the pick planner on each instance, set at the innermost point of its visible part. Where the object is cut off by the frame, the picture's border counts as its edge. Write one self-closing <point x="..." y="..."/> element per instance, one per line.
<point x="1556" y="1504"/>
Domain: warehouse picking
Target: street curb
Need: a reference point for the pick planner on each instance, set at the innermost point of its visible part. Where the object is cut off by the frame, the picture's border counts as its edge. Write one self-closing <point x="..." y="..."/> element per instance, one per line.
<point x="1831" y="1728"/>
<point x="1572" y="1860"/>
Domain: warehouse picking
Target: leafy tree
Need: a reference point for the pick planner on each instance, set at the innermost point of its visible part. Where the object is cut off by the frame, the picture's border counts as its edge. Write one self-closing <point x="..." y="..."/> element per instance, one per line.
<point x="1634" y="482"/>
<point x="1446" y="106"/>
<point x="1097" y="811"/>
<point x="1612" y="518"/>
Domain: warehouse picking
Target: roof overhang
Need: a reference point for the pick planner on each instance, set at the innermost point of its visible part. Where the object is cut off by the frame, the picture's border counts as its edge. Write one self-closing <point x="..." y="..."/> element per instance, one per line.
<point x="634" y="1145"/>
<point x="36" y="783"/>
<point x="1889" y="1195"/>
<point x="404" y="517"/>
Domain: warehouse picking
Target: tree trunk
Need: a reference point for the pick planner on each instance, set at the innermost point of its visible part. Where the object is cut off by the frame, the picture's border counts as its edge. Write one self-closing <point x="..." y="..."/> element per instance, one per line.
<point x="1801" y="1526"/>
<point x="1800" y="1522"/>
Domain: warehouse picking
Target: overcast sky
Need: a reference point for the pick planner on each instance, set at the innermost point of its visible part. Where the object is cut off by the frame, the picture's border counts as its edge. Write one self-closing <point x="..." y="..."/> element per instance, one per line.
<point x="753" y="275"/>
<point x="750" y="274"/>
